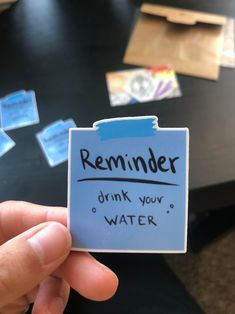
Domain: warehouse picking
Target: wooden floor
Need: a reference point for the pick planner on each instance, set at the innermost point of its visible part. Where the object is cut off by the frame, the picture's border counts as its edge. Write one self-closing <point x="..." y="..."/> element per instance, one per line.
<point x="210" y="275"/>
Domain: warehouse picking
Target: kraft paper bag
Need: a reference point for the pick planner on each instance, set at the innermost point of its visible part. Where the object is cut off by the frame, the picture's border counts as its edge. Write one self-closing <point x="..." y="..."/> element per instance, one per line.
<point x="6" y="4"/>
<point x="190" y="41"/>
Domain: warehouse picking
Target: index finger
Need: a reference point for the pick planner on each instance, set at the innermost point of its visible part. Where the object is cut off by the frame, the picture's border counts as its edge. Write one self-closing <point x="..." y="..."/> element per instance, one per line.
<point x="18" y="216"/>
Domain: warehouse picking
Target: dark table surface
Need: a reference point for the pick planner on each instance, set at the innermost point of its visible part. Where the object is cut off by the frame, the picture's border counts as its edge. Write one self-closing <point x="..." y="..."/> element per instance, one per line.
<point x="62" y="49"/>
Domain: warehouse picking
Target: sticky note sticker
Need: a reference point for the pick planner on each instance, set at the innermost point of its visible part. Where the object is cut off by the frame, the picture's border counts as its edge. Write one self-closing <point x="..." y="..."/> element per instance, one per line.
<point x="128" y="186"/>
<point x="53" y="141"/>
<point x="18" y="110"/>
<point x="6" y="143"/>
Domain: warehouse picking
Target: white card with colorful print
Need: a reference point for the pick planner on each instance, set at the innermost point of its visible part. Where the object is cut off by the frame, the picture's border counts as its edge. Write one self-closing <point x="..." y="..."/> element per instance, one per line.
<point x="130" y="87"/>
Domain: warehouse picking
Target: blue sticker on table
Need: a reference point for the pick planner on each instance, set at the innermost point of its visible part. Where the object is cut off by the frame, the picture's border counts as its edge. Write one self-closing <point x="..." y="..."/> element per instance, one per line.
<point x="54" y="141"/>
<point x="18" y="110"/>
<point x="6" y="143"/>
<point x="128" y="186"/>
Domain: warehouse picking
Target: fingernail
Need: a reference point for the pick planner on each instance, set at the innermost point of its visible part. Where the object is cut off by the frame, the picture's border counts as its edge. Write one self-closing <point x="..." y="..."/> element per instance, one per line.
<point x="51" y="243"/>
<point x="56" y="306"/>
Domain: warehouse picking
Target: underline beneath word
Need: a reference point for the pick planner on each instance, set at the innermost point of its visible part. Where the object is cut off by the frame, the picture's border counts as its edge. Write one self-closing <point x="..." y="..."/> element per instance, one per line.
<point x="130" y="180"/>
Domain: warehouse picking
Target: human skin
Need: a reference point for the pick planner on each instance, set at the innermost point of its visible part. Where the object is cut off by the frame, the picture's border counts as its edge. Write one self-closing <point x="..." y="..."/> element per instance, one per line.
<point x="37" y="266"/>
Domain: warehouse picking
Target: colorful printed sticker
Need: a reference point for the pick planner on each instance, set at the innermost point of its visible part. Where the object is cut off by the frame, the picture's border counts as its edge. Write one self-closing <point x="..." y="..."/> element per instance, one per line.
<point x="142" y="85"/>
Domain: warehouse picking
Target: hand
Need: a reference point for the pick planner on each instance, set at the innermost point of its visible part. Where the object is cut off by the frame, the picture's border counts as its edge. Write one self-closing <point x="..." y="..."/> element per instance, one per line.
<point x="36" y="265"/>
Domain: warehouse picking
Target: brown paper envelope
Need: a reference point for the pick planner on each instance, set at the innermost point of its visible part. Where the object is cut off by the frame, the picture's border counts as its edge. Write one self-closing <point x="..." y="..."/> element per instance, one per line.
<point x="7" y="1"/>
<point x="4" y="7"/>
<point x="190" y="41"/>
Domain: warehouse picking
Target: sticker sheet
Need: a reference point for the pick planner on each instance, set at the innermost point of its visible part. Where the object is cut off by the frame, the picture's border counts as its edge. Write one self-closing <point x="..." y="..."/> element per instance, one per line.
<point x="228" y="52"/>
<point x="128" y="186"/>
<point x="53" y="141"/>
<point x="18" y="110"/>
<point x="142" y="85"/>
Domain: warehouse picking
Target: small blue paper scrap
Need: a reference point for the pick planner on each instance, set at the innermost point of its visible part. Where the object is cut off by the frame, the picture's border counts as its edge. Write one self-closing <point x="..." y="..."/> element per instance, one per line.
<point x="6" y="143"/>
<point x="54" y="141"/>
<point x="128" y="186"/>
<point x="18" y="110"/>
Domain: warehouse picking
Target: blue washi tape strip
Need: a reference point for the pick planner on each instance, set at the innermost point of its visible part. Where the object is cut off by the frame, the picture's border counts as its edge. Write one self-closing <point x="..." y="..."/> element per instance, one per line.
<point x="126" y="128"/>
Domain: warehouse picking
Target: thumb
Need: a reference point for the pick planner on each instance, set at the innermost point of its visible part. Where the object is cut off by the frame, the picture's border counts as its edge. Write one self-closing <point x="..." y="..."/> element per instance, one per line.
<point x="30" y="257"/>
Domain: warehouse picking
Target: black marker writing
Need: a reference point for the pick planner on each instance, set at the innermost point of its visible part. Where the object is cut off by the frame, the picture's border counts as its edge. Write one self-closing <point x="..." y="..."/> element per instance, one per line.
<point x="150" y="200"/>
<point x="140" y="220"/>
<point x="106" y="197"/>
<point x="125" y="163"/>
